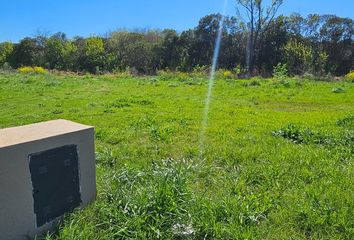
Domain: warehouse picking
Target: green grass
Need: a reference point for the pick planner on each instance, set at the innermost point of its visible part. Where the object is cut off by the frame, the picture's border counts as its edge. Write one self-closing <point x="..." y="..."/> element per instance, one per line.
<point x="278" y="161"/>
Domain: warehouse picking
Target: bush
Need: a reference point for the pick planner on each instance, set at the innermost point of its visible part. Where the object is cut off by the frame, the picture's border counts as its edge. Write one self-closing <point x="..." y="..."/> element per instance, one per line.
<point x="300" y="136"/>
<point x="280" y="71"/>
<point x="298" y="56"/>
<point x="39" y="70"/>
<point x="123" y="74"/>
<point x="227" y="74"/>
<point x="239" y="70"/>
<point x="201" y="70"/>
<point x="350" y="76"/>
<point x="26" y="70"/>
<point x="222" y="73"/>
<point x="166" y="75"/>
<point x="6" y="67"/>
<point x="252" y="83"/>
<point x="293" y="134"/>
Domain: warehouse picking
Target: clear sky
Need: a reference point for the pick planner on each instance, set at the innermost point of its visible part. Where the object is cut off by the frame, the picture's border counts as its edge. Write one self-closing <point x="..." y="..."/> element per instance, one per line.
<point x="21" y="18"/>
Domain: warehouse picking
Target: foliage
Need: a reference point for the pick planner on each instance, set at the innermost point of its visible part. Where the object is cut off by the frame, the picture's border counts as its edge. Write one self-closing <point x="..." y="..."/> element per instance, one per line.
<point x="29" y="52"/>
<point x="93" y="52"/>
<point x="319" y="62"/>
<point x="350" y="76"/>
<point x="298" y="135"/>
<point x="259" y="18"/>
<point x="280" y="71"/>
<point x="320" y="45"/>
<point x="6" y="49"/>
<point x="224" y="74"/>
<point x="123" y="74"/>
<point x="26" y="70"/>
<point x="298" y="56"/>
<point x="239" y="70"/>
<point x="39" y="70"/>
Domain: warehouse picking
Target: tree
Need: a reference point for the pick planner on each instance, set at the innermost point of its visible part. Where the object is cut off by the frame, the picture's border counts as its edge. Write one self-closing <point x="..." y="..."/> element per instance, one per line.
<point x="272" y="45"/>
<point x="298" y="56"/>
<point x="93" y="53"/>
<point x="54" y="51"/>
<point x="70" y="56"/>
<point x="259" y="19"/>
<point x="336" y="36"/>
<point x="6" y="49"/>
<point x="134" y="50"/>
<point x="196" y="46"/>
<point x="318" y="44"/>
<point x="233" y="39"/>
<point x="27" y="53"/>
<point x="170" y="55"/>
<point x="295" y="25"/>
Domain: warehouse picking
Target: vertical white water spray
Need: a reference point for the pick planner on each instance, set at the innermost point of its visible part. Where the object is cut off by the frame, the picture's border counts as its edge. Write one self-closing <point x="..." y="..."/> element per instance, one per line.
<point x="211" y="82"/>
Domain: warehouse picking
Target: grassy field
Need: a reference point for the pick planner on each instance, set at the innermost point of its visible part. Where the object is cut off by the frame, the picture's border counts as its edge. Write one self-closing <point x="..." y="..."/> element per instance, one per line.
<point x="278" y="160"/>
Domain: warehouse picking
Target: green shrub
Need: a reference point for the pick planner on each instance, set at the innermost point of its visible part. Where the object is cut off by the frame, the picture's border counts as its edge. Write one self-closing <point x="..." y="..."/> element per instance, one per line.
<point x="122" y="74"/>
<point x="302" y="136"/>
<point x="6" y="48"/>
<point x="166" y="75"/>
<point x="200" y="70"/>
<point x="338" y="90"/>
<point x="280" y="70"/>
<point x="294" y="134"/>
<point x="298" y="135"/>
<point x="239" y="70"/>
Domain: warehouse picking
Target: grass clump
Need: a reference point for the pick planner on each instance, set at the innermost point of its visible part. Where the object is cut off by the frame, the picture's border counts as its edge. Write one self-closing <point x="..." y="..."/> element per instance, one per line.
<point x="347" y="121"/>
<point x="306" y="136"/>
<point x="338" y="90"/>
<point x="298" y="135"/>
<point x="139" y="204"/>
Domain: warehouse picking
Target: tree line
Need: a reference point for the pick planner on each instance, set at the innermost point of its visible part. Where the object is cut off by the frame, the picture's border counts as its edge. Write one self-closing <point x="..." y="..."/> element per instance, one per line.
<point x="316" y="44"/>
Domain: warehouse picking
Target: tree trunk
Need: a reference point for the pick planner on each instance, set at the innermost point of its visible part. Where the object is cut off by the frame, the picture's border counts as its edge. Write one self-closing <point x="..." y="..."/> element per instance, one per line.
<point x="250" y="55"/>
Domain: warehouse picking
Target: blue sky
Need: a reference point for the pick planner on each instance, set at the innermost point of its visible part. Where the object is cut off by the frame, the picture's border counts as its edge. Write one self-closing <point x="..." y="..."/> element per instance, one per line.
<point x="21" y="18"/>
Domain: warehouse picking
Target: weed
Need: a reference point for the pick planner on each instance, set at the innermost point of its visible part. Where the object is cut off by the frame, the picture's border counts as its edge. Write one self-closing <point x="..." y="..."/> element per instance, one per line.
<point x="346" y="122"/>
<point x="338" y="90"/>
<point x="252" y="83"/>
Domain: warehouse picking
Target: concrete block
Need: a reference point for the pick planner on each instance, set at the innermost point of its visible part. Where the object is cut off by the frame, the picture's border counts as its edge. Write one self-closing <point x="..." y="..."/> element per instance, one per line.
<point x="46" y="169"/>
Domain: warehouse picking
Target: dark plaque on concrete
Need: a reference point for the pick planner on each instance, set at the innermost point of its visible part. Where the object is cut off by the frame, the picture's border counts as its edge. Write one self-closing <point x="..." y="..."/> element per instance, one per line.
<point x="55" y="181"/>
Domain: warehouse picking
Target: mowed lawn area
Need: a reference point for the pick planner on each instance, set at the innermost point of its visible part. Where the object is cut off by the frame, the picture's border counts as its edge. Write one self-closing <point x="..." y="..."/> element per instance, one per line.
<point x="277" y="161"/>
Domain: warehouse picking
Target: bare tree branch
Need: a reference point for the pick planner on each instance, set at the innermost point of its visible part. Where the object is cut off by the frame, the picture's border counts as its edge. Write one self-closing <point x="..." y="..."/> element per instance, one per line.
<point x="259" y="19"/>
